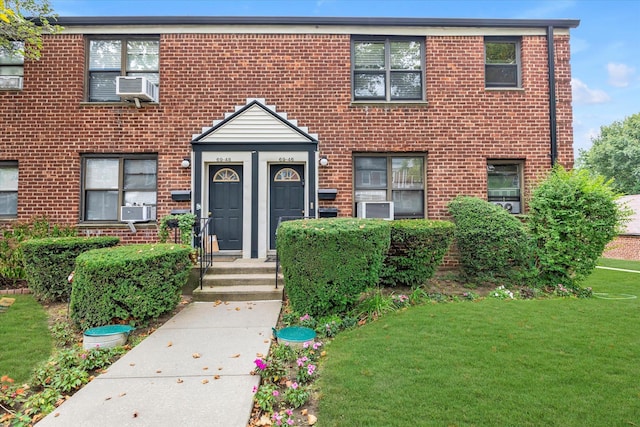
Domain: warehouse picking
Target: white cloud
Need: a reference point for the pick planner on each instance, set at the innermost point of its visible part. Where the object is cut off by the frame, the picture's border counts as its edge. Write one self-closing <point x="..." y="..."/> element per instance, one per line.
<point x="582" y="94"/>
<point x="620" y="75"/>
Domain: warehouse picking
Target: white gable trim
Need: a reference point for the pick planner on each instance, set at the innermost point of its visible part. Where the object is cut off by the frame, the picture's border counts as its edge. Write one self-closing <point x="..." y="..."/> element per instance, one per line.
<point x="255" y="122"/>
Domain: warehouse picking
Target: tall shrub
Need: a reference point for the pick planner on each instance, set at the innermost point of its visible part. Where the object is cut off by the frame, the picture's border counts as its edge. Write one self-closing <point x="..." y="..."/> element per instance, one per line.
<point x="494" y="246"/>
<point x="327" y="263"/>
<point x="49" y="261"/>
<point x="572" y="217"/>
<point x="132" y="283"/>
<point x="417" y="249"/>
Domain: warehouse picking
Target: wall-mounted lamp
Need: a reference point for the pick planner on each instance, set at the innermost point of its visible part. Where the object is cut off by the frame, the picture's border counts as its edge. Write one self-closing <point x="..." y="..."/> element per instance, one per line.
<point x="324" y="161"/>
<point x="185" y="163"/>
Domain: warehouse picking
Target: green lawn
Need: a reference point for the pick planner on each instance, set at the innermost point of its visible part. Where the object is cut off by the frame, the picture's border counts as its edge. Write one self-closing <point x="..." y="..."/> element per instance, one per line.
<point x="554" y="362"/>
<point x="25" y="340"/>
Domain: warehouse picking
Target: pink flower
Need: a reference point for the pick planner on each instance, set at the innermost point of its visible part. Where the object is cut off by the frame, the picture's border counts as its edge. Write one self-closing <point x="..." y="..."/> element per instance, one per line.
<point x="276" y="393"/>
<point x="260" y="364"/>
<point x="290" y="421"/>
<point x="255" y="389"/>
<point x="289" y="412"/>
<point x="294" y="385"/>
<point x="317" y="345"/>
<point x="311" y="369"/>
<point x="301" y="361"/>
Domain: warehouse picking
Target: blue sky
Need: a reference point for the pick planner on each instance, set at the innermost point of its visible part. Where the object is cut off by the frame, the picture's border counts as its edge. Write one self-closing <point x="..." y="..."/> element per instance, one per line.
<point x="605" y="48"/>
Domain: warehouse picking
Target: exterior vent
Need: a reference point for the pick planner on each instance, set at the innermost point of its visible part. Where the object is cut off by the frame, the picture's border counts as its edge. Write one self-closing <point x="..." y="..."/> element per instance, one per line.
<point x="512" y="207"/>
<point x="136" y="88"/>
<point x="136" y="213"/>
<point x="379" y="210"/>
<point x="10" y="82"/>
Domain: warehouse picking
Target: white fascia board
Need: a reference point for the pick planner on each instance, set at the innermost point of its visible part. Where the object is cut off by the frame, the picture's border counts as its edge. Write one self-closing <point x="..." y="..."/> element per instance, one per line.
<point x="305" y="29"/>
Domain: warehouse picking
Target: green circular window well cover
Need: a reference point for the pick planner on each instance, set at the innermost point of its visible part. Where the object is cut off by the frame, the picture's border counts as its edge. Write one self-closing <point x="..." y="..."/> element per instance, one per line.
<point x="295" y="334"/>
<point x="102" y="331"/>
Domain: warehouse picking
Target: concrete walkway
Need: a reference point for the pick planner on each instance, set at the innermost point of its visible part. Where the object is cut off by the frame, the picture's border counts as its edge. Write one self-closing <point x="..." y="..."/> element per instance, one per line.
<point x="193" y="371"/>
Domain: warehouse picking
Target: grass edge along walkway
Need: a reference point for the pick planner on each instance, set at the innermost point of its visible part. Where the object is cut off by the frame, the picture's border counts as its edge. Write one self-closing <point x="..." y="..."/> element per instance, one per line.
<point x="569" y="362"/>
<point x="25" y="340"/>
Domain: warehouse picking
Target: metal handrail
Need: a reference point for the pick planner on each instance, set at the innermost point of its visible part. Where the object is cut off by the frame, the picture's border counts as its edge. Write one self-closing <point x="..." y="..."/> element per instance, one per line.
<point x="204" y="243"/>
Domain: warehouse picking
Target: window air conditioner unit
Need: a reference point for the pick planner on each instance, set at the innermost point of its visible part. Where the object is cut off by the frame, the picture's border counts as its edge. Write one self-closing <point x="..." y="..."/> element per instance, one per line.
<point x="136" y="213"/>
<point x="11" y="82"/>
<point x="379" y="210"/>
<point x="136" y="87"/>
<point x="512" y="207"/>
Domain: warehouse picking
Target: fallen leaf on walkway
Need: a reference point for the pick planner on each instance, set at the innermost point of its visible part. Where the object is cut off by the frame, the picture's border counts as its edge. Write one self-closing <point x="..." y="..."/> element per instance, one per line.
<point x="226" y="303"/>
<point x="237" y="308"/>
<point x="135" y="414"/>
<point x="252" y="373"/>
<point x="180" y="381"/>
<point x="220" y="368"/>
<point x="312" y="419"/>
<point x="217" y="303"/>
<point x="235" y="356"/>
<point x="132" y="364"/>
<point x="205" y="381"/>
<point x="216" y="377"/>
<point x="266" y="341"/>
<point x="158" y="371"/>
<point x="196" y="355"/>
<point x="260" y="355"/>
<point x="122" y="394"/>
<point x="304" y="411"/>
<point x="205" y="368"/>
<point x="169" y="344"/>
<point x="56" y="415"/>
<point x="108" y="398"/>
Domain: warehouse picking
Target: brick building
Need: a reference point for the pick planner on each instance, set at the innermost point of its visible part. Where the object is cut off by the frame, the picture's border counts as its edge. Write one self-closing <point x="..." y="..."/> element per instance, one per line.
<point x="253" y="119"/>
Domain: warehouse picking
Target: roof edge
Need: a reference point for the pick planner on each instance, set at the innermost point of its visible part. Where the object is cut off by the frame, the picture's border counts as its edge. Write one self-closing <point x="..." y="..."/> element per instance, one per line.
<point x="302" y="20"/>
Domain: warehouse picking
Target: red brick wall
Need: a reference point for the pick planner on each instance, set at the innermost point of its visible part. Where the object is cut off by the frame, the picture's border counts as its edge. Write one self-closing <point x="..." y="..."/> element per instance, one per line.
<point x="624" y="247"/>
<point x="46" y="127"/>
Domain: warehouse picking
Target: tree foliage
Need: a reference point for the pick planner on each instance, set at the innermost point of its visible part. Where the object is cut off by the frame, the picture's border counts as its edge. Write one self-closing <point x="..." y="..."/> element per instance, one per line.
<point x="572" y="217"/>
<point x="615" y="154"/>
<point x="26" y="21"/>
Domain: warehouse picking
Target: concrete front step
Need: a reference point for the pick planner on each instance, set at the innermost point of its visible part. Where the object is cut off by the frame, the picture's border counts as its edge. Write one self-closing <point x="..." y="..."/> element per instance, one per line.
<point x="240" y="280"/>
<point x="238" y="293"/>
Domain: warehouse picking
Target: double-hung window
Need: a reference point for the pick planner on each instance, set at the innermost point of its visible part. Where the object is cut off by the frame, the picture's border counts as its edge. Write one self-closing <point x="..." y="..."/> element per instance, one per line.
<point x="112" y="57"/>
<point x="11" y="66"/>
<point x="387" y="69"/>
<point x="110" y="182"/>
<point x="8" y="189"/>
<point x="397" y="178"/>
<point x="502" y="62"/>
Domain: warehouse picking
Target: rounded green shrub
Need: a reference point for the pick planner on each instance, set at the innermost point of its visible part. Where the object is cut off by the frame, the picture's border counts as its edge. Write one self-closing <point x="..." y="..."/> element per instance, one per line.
<point x="572" y="216"/>
<point x="132" y="283"/>
<point x="327" y="263"/>
<point x="417" y="249"/>
<point x="48" y="262"/>
<point x="494" y="246"/>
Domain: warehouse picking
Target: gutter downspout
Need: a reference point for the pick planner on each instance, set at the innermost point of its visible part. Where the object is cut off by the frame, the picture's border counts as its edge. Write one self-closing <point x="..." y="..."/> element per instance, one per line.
<point x="552" y="97"/>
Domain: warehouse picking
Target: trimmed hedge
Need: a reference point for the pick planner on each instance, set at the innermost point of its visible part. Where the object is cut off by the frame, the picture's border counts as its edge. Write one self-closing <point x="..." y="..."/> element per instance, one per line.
<point x="49" y="261"/>
<point x="417" y="249"/>
<point x="493" y="244"/>
<point x="327" y="263"/>
<point x="132" y="283"/>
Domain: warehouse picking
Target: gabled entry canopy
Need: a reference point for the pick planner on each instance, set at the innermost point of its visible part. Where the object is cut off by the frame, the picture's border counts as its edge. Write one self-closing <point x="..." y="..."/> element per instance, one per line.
<point x="259" y="145"/>
<point x="255" y="122"/>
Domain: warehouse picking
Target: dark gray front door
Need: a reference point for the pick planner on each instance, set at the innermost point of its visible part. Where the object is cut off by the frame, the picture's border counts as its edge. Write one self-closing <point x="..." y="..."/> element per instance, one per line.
<point x="286" y="195"/>
<point x="225" y="205"/>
